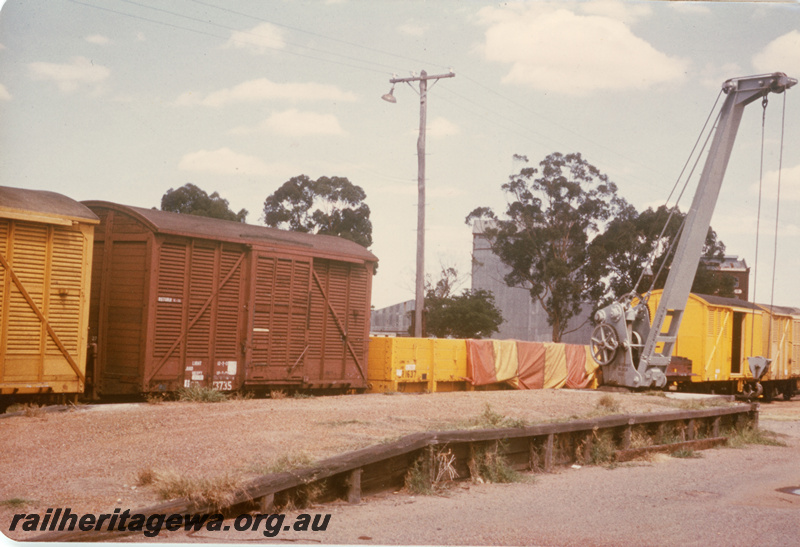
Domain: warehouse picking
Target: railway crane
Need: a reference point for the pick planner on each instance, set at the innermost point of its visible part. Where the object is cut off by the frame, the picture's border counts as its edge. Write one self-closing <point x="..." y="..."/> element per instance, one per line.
<point x="633" y="352"/>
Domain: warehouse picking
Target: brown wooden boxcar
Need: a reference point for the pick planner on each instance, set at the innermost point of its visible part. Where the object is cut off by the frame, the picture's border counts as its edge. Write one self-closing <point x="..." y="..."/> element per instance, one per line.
<point x="45" y="264"/>
<point x="180" y="300"/>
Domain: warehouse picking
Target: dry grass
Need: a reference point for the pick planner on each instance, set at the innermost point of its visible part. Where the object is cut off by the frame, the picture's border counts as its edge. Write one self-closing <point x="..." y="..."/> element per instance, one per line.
<point x="155" y="398"/>
<point x="607" y="404"/>
<point x="699" y="404"/>
<point x="742" y="437"/>
<point x="488" y="464"/>
<point x="640" y="438"/>
<point x="283" y="463"/>
<point x="29" y="410"/>
<point x="16" y="503"/>
<point x="490" y="419"/>
<point x="197" y="394"/>
<point x="215" y="492"/>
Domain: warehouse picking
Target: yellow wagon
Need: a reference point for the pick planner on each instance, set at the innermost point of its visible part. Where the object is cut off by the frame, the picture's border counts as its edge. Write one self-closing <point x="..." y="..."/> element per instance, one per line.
<point x="718" y="335"/>
<point x="781" y="335"/>
<point x="45" y="266"/>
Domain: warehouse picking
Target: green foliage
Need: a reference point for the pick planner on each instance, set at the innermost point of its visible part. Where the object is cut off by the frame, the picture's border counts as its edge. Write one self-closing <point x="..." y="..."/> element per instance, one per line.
<point x="490" y="418"/>
<point x="417" y="480"/>
<point x="198" y="394"/>
<point x="191" y="200"/>
<point x="630" y="242"/>
<point x="471" y="314"/>
<point x="328" y="205"/>
<point x="489" y="465"/>
<point x="554" y="212"/>
<point x="603" y="449"/>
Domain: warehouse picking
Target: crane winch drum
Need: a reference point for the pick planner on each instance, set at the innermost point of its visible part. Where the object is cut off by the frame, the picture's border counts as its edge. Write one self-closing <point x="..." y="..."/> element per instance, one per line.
<point x="632" y="352"/>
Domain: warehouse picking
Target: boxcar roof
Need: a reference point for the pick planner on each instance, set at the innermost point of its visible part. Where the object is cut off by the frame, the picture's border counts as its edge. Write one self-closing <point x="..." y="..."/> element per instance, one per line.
<point x="42" y="206"/>
<point x="227" y="230"/>
<point x="780" y="310"/>
<point x="729" y="302"/>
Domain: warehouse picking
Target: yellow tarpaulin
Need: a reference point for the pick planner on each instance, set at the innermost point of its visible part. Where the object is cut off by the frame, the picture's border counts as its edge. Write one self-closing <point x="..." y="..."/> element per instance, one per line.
<point x="555" y="366"/>
<point x="505" y="359"/>
<point x="591" y="368"/>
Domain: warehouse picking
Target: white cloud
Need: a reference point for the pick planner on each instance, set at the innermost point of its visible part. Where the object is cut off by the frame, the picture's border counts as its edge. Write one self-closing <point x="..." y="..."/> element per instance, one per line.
<point x="294" y="123"/>
<point x="780" y="55"/>
<point x="552" y="48"/>
<point x="4" y="94"/>
<point x="441" y="127"/>
<point x="689" y="7"/>
<point x="413" y="28"/>
<point x="790" y="184"/>
<point x="98" y="39"/>
<point x="224" y="161"/>
<point x="69" y="76"/>
<point x="263" y="89"/>
<point x="627" y="12"/>
<point x="713" y="76"/>
<point x="259" y="39"/>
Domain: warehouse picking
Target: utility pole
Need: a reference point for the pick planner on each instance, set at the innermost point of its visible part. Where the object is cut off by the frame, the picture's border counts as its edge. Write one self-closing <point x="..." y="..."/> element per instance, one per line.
<point x="419" y="301"/>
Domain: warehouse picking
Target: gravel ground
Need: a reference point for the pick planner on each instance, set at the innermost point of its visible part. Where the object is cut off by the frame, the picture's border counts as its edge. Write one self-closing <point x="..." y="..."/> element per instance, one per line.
<point x="89" y="459"/>
<point x="726" y="497"/>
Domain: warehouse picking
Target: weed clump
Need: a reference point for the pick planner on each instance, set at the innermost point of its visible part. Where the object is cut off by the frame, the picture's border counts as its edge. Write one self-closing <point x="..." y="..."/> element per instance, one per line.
<point x="284" y="462"/>
<point x="15" y="503"/>
<point x="213" y="492"/>
<point x="686" y="453"/>
<point x="487" y="464"/>
<point x="607" y="404"/>
<point x="422" y="479"/>
<point x="749" y="435"/>
<point x="603" y="449"/>
<point x="29" y="410"/>
<point x="199" y="394"/>
<point x="155" y="398"/>
<point x="699" y="404"/>
<point x="489" y="418"/>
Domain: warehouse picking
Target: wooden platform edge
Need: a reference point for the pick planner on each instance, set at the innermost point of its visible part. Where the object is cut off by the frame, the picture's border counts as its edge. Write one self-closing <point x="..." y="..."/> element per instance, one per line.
<point x="268" y="485"/>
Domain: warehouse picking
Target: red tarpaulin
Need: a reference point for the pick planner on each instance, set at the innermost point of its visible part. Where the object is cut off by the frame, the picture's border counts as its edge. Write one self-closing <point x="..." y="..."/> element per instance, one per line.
<point x="577" y="378"/>
<point x="480" y="362"/>
<point x="531" y="364"/>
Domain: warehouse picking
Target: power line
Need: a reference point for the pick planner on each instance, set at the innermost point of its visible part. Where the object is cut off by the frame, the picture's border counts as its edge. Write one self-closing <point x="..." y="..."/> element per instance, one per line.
<point x="234" y="29"/>
<point x="318" y="35"/>
<point x="196" y="31"/>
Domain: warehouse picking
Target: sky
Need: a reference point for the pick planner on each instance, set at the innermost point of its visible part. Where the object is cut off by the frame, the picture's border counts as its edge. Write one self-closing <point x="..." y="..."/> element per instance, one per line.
<point x="121" y="100"/>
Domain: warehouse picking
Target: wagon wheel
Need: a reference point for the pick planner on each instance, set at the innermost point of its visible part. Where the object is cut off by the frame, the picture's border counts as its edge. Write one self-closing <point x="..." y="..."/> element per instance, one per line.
<point x="604" y="344"/>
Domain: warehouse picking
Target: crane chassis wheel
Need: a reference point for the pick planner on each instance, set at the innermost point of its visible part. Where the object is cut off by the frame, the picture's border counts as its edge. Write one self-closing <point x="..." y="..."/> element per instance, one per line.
<point x="604" y="344"/>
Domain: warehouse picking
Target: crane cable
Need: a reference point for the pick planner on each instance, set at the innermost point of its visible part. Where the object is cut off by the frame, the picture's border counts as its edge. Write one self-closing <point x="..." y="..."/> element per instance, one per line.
<point x="777" y="216"/>
<point x="764" y="103"/>
<point x="674" y="208"/>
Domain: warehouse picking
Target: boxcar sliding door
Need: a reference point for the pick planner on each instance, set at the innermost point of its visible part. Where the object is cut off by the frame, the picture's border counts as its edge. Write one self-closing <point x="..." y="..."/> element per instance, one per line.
<point x="278" y="334"/>
<point x="338" y="335"/>
<point x="199" y="315"/>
